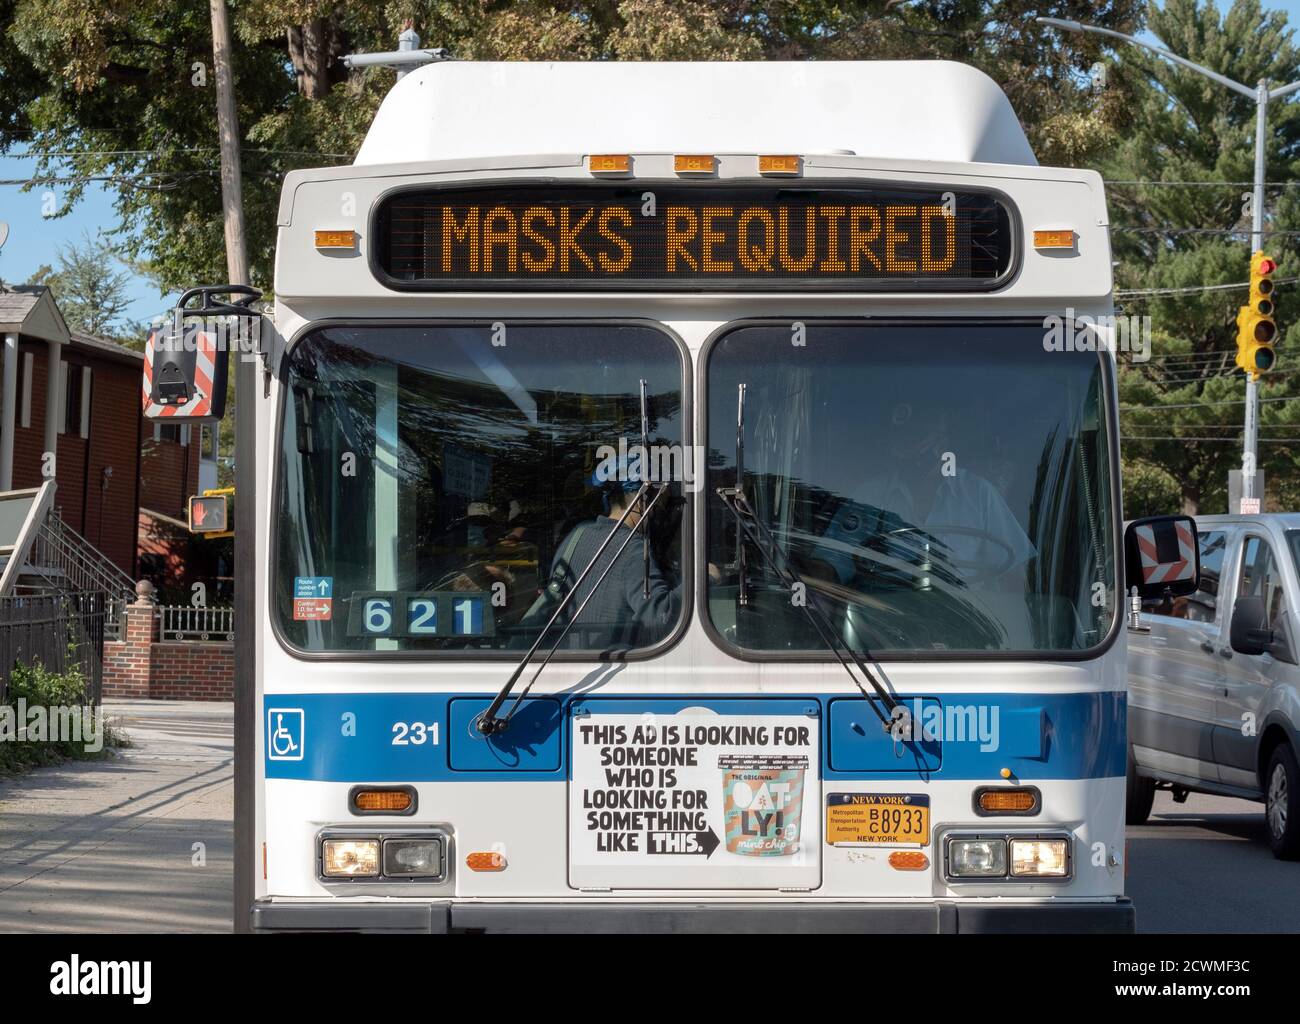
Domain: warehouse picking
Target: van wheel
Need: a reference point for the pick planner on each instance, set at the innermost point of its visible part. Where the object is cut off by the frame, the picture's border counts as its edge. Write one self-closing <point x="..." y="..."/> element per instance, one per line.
<point x="1282" y="803"/>
<point x="1140" y="794"/>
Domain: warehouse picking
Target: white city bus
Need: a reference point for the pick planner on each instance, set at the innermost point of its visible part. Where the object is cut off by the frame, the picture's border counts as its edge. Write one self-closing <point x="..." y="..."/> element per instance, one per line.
<point x="686" y="499"/>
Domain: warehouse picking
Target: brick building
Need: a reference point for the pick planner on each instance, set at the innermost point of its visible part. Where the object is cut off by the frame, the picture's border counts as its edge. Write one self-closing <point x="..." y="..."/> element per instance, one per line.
<point x="109" y="461"/>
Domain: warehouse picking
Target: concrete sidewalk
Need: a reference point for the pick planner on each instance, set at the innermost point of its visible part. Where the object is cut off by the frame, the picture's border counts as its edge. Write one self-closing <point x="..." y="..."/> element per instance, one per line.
<point x="108" y="846"/>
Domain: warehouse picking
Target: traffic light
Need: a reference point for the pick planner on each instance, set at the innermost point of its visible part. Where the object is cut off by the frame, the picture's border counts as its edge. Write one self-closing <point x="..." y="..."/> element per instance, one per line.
<point x="1256" y="323"/>
<point x="208" y="513"/>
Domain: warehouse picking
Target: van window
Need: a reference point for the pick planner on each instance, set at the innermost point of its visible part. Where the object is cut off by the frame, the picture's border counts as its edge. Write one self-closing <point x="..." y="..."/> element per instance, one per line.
<point x="1261" y="576"/>
<point x="1201" y="606"/>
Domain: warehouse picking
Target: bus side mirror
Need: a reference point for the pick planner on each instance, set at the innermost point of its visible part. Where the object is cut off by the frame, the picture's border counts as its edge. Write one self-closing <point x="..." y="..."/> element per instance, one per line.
<point x="1162" y="557"/>
<point x="187" y="360"/>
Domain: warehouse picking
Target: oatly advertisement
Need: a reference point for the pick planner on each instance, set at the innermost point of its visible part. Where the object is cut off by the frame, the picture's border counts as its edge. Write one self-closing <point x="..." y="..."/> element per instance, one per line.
<point x="694" y="800"/>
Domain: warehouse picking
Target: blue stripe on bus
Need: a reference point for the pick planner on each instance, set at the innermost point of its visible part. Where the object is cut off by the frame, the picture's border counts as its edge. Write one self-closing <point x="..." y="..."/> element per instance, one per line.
<point x="430" y="737"/>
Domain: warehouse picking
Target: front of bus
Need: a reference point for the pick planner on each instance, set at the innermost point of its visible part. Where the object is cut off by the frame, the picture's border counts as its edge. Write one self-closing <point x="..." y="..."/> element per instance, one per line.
<point x="710" y="523"/>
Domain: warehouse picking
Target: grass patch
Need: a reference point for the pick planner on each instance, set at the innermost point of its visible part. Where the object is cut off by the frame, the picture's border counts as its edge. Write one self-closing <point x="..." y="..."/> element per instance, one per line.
<point x="38" y="687"/>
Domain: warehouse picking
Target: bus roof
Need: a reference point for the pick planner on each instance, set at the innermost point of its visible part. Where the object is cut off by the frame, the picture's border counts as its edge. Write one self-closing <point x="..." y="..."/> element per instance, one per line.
<point x="914" y="110"/>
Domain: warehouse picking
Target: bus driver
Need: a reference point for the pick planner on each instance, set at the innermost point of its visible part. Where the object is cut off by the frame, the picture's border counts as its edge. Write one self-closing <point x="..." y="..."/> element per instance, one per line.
<point x="922" y="494"/>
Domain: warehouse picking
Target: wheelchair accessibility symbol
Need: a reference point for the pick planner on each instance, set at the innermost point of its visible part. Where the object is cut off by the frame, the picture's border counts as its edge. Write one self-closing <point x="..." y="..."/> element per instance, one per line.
<point x="284" y="734"/>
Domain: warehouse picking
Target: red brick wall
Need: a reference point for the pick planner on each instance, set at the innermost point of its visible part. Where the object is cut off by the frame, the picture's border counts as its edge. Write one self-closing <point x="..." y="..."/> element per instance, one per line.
<point x="138" y="666"/>
<point x="192" y="671"/>
<point x="127" y="661"/>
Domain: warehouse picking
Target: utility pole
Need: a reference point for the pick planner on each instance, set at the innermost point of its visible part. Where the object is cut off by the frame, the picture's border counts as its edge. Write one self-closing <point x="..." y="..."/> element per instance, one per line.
<point x="1250" y="437"/>
<point x="1262" y="95"/>
<point x="232" y="205"/>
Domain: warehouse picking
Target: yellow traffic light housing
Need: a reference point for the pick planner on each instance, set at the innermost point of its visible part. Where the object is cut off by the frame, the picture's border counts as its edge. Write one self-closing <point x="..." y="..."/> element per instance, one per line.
<point x="1256" y="323"/>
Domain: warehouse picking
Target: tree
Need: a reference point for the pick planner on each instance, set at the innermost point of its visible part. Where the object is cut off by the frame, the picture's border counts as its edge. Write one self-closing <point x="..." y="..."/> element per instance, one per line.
<point x="126" y="88"/>
<point x="90" y="292"/>
<point x="1193" y="142"/>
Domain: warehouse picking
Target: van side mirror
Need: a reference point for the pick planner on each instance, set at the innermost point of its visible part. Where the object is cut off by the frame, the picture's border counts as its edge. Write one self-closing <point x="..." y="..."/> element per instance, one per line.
<point x="1162" y="557"/>
<point x="1247" y="633"/>
<point x="186" y="361"/>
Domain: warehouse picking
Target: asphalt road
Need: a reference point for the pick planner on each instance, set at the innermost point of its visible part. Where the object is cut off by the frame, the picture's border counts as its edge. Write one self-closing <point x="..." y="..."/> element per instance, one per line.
<point x="1205" y="866"/>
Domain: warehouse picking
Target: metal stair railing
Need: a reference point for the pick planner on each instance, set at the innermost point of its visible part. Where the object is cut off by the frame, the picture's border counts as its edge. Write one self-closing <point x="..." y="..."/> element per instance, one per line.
<point x="60" y="551"/>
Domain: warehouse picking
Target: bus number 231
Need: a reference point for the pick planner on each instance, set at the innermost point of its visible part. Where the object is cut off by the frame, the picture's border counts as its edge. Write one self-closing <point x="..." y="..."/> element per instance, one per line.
<point x="414" y="734"/>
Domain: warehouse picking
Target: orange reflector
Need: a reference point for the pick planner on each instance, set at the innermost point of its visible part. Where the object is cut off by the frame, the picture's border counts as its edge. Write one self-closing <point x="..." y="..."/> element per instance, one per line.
<point x="486" y="860"/>
<point x="1007" y="801"/>
<point x="336" y="239"/>
<point x="609" y="163"/>
<point x="778" y="165"/>
<point x="908" y="860"/>
<point x="1053" y="239"/>
<point x="694" y="164"/>
<point x="394" y="801"/>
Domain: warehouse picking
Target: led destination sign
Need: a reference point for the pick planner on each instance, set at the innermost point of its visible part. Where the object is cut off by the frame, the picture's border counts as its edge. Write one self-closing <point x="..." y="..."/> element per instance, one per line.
<point x="678" y="237"/>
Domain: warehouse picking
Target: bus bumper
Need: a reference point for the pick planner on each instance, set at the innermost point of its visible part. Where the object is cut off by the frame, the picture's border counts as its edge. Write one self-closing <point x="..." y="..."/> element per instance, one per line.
<point x="707" y="918"/>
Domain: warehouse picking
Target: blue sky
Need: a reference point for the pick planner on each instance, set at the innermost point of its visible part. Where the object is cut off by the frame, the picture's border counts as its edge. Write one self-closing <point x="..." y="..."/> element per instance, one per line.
<point x="35" y="239"/>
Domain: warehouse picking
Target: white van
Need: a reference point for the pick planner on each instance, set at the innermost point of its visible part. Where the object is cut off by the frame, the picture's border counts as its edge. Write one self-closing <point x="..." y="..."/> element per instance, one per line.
<point x="1214" y="678"/>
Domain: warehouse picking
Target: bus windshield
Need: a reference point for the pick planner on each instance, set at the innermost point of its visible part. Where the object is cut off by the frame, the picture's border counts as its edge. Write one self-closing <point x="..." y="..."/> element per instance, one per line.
<point x="937" y="488"/>
<point x="441" y="486"/>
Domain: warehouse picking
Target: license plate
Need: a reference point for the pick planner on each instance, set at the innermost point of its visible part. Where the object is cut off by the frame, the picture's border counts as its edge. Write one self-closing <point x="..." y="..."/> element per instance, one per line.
<point x="877" y="819"/>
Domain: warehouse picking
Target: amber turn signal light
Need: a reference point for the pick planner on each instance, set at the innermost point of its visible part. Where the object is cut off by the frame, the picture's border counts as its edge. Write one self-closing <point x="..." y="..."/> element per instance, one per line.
<point x="1053" y="239"/>
<point x="1007" y="800"/>
<point x="609" y="163"/>
<point x="486" y="860"/>
<point x="694" y="163"/>
<point x="336" y="239"/>
<point x="383" y="801"/>
<point x="908" y="860"/>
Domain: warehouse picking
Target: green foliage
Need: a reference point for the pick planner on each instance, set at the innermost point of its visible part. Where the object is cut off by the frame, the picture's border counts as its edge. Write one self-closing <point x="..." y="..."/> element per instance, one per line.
<point x="91" y="294"/>
<point x="1149" y="491"/>
<point x="38" y="686"/>
<point x="1186" y="128"/>
<point x="128" y="87"/>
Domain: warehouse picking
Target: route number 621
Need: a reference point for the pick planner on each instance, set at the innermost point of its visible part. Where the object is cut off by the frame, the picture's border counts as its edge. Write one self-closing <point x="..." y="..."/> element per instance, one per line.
<point x="414" y="734"/>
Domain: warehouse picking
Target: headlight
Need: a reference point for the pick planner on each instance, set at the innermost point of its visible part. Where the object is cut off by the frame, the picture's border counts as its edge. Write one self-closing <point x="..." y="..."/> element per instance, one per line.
<point x="412" y="858"/>
<point x="1041" y="858"/>
<point x="350" y="858"/>
<point x="977" y="858"/>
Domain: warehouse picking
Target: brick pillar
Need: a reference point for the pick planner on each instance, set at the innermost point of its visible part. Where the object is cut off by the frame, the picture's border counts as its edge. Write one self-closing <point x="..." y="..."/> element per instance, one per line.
<point x="127" y="661"/>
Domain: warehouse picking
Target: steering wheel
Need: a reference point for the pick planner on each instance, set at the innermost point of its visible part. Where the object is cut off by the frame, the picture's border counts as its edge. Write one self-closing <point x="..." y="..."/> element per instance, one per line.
<point x="983" y="572"/>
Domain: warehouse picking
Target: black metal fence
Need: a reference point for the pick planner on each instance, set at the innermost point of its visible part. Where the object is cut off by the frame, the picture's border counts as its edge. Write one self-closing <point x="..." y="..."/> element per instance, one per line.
<point x="58" y="630"/>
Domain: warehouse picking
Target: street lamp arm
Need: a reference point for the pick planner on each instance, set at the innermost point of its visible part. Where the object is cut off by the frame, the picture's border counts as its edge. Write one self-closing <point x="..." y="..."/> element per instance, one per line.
<point x="1284" y="90"/>
<point x="1075" y="26"/>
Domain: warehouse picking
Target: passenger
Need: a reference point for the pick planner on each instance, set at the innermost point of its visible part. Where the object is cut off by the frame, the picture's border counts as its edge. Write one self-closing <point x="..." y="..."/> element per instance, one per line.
<point x="620" y="614"/>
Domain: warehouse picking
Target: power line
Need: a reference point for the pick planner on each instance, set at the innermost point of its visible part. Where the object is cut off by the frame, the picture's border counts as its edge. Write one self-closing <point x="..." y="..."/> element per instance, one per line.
<point x="1199" y="405"/>
<point x="1203" y="184"/>
<point x="1201" y="231"/>
<point x="1211" y="440"/>
<point x="1194" y="289"/>
<point x="40" y="154"/>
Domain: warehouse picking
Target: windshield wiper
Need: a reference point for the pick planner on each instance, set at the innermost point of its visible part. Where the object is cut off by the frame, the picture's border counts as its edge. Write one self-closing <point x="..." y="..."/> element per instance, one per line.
<point x="899" y="721"/>
<point x="488" y="723"/>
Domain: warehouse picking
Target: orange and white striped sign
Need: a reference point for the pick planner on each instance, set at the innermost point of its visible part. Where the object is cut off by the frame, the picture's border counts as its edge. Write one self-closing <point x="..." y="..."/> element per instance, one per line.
<point x="1156" y="571"/>
<point x="200" y="405"/>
